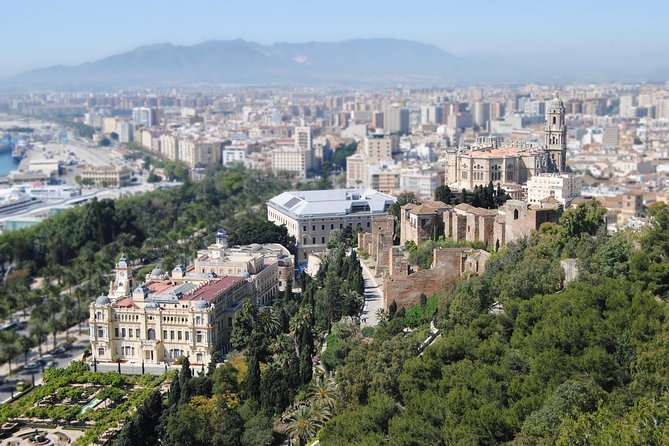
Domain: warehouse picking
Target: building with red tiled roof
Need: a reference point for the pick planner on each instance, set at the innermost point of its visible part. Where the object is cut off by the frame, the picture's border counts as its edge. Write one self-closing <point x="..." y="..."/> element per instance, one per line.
<point x="188" y="312"/>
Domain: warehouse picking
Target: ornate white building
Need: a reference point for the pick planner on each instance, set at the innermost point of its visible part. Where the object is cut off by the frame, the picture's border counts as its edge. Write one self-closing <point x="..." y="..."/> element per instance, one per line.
<point x="188" y="312"/>
<point x="492" y="160"/>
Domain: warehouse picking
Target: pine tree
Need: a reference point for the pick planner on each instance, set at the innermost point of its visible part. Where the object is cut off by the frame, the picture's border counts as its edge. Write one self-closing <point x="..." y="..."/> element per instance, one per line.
<point x="253" y="377"/>
<point x="306" y="353"/>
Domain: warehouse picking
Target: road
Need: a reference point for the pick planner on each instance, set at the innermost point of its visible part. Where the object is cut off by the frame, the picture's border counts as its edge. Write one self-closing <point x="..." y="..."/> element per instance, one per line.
<point x="74" y="353"/>
<point x="373" y="296"/>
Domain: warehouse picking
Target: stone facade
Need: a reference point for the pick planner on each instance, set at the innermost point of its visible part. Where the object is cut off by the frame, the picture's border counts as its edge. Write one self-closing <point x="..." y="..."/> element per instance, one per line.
<point x="449" y="265"/>
<point x="421" y="222"/>
<point x="379" y="242"/>
<point x="517" y="219"/>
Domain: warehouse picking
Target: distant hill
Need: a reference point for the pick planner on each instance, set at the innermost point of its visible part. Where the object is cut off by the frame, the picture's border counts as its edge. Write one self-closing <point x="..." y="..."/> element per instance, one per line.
<point x="238" y="61"/>
<point x="358" y="62"/>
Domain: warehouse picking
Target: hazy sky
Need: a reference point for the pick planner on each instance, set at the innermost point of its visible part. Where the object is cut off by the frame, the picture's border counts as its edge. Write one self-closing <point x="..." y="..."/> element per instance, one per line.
<point x="48" y="32"/>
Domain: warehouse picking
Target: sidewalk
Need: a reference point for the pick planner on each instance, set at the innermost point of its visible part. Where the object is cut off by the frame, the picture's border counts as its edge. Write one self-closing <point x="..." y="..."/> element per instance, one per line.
<point x="373" y="295"/>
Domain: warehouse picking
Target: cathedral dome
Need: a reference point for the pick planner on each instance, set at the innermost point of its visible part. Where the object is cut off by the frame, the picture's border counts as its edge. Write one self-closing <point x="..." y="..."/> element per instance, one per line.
<point x="102" y="300"/>
<point x="556" y="102"/>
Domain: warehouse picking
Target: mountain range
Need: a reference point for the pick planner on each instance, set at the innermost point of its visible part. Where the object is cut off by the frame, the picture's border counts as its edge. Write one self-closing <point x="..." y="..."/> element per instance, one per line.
<point x="353" y="62"/>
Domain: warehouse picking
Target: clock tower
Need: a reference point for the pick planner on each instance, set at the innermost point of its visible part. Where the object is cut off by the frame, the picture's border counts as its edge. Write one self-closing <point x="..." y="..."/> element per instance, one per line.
<point x="123" y="281"/>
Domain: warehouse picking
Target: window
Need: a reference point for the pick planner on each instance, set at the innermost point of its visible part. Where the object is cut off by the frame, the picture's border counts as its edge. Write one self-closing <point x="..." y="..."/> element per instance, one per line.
<point x="179" y="335"/>
<point x="116" y="332"/>
<point x="198" y="357"/>
<point x="322" y="227"/>
<point x="164" y="334"/>
<point x="304" y="228"/>
<point x="554" y="120"/>
<point x="313" y="240"/>
<point x="313" y="227"/>
<point x="151" y="334"/>
<point x="172" y="335"/>
<point x="123" y="332"/>
<point x="332" y="226"/>
<point x="515" y="214"/>
<point x="229" y="322"/>
<point x="322" y="239"/>
<point x="101" y="333"/>
<point x="198" y="336"/>
<point x="137" y="332"/>
<point x="101" y="351"/>
<point x="130" y="332"/>
<point x="368" y="224"/>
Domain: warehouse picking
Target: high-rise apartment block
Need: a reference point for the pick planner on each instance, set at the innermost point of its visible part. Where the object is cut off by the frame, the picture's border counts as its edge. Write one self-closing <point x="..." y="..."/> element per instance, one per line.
<point x="144" y="117"/>
<point x="396" y="120"/>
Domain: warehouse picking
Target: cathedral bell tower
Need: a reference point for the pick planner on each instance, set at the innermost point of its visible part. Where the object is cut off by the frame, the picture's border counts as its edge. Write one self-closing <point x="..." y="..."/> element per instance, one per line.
<point x="555" y="133"/>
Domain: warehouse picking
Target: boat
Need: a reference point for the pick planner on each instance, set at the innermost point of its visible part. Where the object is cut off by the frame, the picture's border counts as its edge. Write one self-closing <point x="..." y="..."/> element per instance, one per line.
<point x="6" y="143"/>
<point x="19" y="151"/>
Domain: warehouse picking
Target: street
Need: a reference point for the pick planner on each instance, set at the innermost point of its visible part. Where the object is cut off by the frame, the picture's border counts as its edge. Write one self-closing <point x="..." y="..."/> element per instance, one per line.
<point x="373" y="296"/>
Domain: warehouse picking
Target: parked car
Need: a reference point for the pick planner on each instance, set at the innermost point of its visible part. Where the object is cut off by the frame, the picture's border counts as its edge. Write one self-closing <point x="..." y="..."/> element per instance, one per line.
<point x="58" y="351"/>
<point x="23" y="385"/>
<point x="33" y="365"/>
<point x="46" y="358"/>
<point x="51" y="364"/>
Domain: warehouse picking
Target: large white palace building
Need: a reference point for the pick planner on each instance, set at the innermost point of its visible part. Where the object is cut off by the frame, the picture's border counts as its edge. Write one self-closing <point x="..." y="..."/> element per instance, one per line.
<point x="188" y="312"/>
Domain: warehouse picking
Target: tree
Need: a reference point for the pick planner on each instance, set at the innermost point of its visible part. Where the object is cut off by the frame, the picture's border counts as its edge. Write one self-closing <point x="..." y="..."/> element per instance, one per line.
<point x="105" y="142"/>
<point x="302" y="424"/>
<point x="153" y="178"/>
<point x="253" y="377"/>
<point x="444" y="194"/>
<point x="402" y="199"/>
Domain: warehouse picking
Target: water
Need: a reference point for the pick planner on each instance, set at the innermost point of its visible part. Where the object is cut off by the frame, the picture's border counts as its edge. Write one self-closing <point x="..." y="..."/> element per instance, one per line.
<point x="7" y="163"/>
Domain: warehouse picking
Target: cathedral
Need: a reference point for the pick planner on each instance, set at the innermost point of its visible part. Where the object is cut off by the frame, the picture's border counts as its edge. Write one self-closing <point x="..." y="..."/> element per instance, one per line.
<point x="490" y="159"/>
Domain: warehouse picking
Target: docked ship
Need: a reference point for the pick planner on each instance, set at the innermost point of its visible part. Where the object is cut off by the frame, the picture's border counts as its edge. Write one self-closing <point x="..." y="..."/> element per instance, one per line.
<point x="16" y="200"/>
<point x="6" y="143"/>
<point x="19" y="151"/>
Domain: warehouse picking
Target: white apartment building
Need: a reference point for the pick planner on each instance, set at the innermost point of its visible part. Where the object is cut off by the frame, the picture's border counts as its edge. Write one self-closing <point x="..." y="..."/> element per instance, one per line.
<point x="293" y="160"/>
<point x="302" y="137"/>
<point x="378" y="148"/>
<point x="563" y="187"/>
<point x="423" y="183"/>
<point x="199" y="152"/>
<point x="310" y="216"/>
<point x="125" y="131"/>
<point x="234" y="153"/>
<point x="169" y="146"/>
<point x="108" y="125"/>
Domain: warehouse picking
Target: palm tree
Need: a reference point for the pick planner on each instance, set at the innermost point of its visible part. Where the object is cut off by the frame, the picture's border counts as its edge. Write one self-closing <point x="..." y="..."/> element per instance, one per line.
<point x="37" y="325"/>
<point x="25" y="343"/>
<point x="69" y="314"/>
<point x="297" y="323"/>
<point x="8" y="348"/>
<point x="268" y="321"/>
<point x="302" y="424"/>
<point x="324" y="392"/>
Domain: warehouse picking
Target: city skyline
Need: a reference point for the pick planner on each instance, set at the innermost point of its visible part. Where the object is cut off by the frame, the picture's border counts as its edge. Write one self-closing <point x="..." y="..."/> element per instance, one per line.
<point x="40" y="35"/>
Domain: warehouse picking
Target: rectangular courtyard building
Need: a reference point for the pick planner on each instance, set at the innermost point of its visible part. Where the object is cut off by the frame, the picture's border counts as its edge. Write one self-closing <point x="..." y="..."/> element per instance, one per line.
<point x="310" y="216"/>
